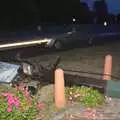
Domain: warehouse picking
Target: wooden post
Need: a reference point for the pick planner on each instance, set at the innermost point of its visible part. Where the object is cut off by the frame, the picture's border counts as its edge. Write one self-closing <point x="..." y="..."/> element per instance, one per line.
<point x="107" y="68"/>
<point x="59" y="88"/>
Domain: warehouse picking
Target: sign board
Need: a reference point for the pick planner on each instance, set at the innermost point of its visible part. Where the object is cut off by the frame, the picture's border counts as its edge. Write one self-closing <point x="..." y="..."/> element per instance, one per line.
<point x="8" y="72"/>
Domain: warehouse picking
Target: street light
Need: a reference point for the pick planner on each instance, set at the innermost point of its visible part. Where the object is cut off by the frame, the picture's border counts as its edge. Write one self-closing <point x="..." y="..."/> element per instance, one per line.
<point x="105" y="23"/>
<point x="39" y="28"/>
<point x="74" y="19"/>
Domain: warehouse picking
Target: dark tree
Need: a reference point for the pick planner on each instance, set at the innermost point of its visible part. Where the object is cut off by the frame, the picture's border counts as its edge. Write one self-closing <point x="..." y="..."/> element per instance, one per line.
<point x="17" y="13"/>
<point x="118" y="18"/>
<point x="111" y="19"/>
<point x="85" y="15"/>
<point x="59" y="11"/>
<point x="20" y="13"/>
<point x="101" y="11"/>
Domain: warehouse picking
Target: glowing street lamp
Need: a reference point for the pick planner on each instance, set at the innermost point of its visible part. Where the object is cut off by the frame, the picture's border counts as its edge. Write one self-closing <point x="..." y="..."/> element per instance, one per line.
<point x="39" y="28"/>
<point x="105" y="23"/>
<point x="74" y="20"/>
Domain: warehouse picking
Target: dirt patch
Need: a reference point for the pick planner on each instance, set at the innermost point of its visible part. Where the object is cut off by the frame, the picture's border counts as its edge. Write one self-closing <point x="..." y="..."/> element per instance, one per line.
<point x="75" y="111"/>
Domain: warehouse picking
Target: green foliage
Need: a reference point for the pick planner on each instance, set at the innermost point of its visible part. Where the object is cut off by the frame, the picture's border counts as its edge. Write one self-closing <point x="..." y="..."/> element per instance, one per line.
<point x="16" y="114"/>
<point x="84" y="95"/>
<point x="22" y="109"/>
<point x="60" y="65"/>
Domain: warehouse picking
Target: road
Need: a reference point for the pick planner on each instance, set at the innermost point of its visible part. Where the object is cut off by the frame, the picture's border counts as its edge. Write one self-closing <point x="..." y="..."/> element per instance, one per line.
<point x="86" y="56"/>
<point x="87" y="59"/>
<point x="53" y="31"/>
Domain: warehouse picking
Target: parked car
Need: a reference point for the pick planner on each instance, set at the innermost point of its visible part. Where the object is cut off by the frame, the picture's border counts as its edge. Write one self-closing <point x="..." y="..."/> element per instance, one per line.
<point x="83" y="35"/>
<point x="61" y="36"/>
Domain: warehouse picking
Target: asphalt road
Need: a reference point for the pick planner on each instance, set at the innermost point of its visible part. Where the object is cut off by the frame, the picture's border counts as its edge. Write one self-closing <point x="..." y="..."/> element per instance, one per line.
<point x="55" y="31"/>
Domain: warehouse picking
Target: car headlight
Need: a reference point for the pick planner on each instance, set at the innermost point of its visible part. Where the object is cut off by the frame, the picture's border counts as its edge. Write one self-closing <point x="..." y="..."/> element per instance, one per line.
<point x="50" y="42"/>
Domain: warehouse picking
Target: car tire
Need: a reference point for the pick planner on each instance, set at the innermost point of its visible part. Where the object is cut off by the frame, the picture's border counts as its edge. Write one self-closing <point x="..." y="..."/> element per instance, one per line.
<point x="58" y="44"/>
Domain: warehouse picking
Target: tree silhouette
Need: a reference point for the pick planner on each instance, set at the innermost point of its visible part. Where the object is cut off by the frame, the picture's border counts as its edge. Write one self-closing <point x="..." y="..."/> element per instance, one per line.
<point x="101" y="10"/>
<point x="85" y="14"/>
<point x="14" y="13"/>
<point x="61" y="11"/>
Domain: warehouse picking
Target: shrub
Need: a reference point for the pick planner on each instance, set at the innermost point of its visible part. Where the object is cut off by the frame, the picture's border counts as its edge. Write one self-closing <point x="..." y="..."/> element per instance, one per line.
<point x="84" y="95"/>
<point x="17" y="104"/>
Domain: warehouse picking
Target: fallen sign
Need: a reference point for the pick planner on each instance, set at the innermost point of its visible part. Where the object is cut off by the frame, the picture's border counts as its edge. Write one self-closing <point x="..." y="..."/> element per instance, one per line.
<point x="8" y="72"/>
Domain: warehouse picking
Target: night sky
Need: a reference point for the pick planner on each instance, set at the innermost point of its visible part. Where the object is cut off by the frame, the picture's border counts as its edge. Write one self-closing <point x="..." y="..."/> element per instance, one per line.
<point x="113" y="5"/>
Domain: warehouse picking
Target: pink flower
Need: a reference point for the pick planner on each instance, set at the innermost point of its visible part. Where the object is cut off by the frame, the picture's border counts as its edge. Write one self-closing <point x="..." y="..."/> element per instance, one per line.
<point x="9" y="109"/>
<point x="89" y="113"/>
<point x="20" y="87"/>
<point x="17" y="87"/>
<point x="26" y="93"/>
<point x="13" y="101"/>
<point x="24" y="90"/>
<point x="40" y="105"/>
<point x="10" y="100"/>
<point x="7" y="94"/>
<point x="16" y="101"/>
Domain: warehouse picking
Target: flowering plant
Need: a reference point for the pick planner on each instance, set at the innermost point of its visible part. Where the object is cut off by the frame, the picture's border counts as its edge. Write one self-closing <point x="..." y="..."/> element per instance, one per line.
<point x="87" y="96"/>
<point x="17" y="104"/>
